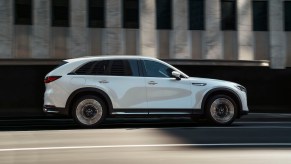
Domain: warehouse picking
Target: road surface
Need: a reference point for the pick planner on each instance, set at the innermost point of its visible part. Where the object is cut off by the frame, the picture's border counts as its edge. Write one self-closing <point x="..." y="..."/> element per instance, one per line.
<point x="258" y="138"/>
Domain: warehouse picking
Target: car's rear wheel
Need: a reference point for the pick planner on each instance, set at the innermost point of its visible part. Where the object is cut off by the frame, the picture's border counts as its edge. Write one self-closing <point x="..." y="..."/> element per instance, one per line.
<point x="221" y="110"/>
<point x="89" y="111"/>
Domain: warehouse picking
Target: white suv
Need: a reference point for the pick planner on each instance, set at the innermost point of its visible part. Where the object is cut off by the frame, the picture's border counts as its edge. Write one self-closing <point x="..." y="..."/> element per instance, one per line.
<point x="92" y="88"/>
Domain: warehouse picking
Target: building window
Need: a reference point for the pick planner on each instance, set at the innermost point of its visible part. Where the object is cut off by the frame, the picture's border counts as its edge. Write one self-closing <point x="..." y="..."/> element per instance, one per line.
<point x="228" y="15"/>
<point x="131" y="14"/>
<point x="196" y="14"/>
<point x="287" y="15"/>
<point x="96" y="13"/>
<point x="60" y="13"/>
<point x="260" y="15"/>
<point x="23" y="12"/>
<point x="164" y="14"/>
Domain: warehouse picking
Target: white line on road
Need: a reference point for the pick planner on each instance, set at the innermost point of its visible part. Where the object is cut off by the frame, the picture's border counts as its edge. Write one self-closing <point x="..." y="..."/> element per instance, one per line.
<point x="143" y="146"/>
<point x="265" y="122"/>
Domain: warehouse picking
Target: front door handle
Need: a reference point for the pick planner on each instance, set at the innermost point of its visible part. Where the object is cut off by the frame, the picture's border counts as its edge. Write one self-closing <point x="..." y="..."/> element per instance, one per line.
<point x="103" y="81"/>
<point x="152" y="83"/>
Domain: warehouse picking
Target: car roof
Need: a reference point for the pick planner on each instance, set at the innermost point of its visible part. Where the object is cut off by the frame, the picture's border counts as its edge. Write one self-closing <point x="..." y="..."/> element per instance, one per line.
<point x="108" y="57"/>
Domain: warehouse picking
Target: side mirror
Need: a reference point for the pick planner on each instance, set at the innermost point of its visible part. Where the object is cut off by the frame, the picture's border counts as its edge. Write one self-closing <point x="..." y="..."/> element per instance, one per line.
<point x="177" y="75"/>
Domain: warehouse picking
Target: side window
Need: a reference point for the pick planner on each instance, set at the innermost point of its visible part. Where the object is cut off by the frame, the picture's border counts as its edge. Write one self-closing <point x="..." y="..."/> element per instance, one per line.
<point x="100" y="68"/>
<point x="94" y="68"/>
<point x="156" y="69"/>
<point x="85" y="69"/>
<point x="124" y="68"/>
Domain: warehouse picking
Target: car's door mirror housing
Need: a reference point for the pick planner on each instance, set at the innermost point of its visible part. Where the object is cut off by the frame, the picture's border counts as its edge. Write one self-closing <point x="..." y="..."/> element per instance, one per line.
<point x="177" y="75"/>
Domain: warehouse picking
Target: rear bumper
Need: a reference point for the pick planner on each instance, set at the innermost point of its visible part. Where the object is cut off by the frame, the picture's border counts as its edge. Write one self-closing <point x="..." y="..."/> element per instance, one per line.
<point x="52" y="110"/>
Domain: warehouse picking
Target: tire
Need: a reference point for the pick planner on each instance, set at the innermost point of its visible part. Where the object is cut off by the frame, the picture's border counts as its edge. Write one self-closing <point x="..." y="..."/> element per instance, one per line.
<point x="221" y="110"/>
<point x="89" y="111"/>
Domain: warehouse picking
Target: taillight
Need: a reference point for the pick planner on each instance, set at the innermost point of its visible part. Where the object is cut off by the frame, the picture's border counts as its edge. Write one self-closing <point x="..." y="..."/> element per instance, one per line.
<point x="51" y="79"/>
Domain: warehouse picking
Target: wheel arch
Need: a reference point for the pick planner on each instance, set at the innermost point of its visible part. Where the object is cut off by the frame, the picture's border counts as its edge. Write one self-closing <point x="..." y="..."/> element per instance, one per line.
<point x="88" y="91"/>
<point x="222" y="91"/>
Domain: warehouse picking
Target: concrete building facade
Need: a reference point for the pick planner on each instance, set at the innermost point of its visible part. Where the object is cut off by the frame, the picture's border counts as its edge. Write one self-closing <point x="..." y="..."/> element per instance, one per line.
<point x="40" y="39"/>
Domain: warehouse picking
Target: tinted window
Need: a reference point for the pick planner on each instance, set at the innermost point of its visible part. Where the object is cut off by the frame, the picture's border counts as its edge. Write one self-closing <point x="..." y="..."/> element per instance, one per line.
<point x="113" y="67"/>
<point x="131" y="14"/>
<point x="100" y="68"/>
<point x="164" y="14"/>
<point x="156" y="69"/>
<point x="85" y="69"/>
<point x="260" y="16"/>
<point x="96" y="13"/>
<point x="124" y="68"/>
<point x="196" y="14"/>
<point x="228" y="15"/>
<point x="93" y="68"/>
<point x="60" y="13"/>
<point x="23" y="12"/>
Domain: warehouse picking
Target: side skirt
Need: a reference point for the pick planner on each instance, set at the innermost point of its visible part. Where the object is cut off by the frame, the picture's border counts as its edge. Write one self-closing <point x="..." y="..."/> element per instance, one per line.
<point x="153" y="113"/>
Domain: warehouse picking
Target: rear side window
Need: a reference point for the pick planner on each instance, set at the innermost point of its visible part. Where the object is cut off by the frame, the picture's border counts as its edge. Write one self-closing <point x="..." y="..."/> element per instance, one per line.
<point x="110" y="67"/>
<point x="100" y="68"/>
<point x="85" y="69"/>
<point x="93" y="68"/>
<point x="124" y="68"/>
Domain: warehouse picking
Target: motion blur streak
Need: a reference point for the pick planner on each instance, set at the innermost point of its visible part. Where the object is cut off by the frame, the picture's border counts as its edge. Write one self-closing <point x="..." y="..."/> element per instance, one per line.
<point x="143" y="146"/>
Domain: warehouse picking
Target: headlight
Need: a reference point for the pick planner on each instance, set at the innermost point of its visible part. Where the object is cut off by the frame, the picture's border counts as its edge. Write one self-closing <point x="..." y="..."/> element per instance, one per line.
<point x="241" y="88"/>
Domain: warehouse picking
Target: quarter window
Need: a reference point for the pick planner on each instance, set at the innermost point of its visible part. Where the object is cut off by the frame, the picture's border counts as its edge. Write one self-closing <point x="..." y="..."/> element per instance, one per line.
<point x="156" y="69"/>
<point x="93" y="68"/>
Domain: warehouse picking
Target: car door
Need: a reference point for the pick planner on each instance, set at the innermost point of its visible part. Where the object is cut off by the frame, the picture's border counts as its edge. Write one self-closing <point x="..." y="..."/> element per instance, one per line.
<point x="165" y="94"/>
<point x="124" y="85"/>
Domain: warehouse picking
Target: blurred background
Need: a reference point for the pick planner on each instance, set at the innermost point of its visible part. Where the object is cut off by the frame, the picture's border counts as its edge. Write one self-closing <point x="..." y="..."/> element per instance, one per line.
<point x="245" y="41"/>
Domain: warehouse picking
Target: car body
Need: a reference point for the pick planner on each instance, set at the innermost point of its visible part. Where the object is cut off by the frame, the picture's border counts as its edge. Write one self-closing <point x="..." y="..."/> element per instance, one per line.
<point x="91" y="89"/>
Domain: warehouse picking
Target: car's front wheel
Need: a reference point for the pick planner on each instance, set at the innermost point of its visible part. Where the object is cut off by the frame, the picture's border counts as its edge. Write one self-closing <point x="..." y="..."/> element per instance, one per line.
<point x="89" y="111"/>
<point x="221" y="110"/>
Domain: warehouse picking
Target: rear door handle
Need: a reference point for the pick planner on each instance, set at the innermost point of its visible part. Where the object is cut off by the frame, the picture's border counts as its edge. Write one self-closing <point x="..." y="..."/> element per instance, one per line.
<point x="103" y="81"/>
<point x="152" y="83"/>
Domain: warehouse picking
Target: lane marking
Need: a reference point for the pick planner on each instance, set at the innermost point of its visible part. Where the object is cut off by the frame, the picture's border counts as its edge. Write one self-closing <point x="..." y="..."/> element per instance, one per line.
<point x="144" y="146"/>
<point x="71" y="127"/>
<point x="230" y="127"/>
<point x="265" y="122"/>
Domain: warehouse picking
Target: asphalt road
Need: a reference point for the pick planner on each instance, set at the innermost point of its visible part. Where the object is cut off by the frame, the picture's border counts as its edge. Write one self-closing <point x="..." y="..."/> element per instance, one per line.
<point x="257" y="138"/>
